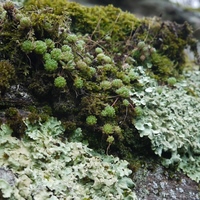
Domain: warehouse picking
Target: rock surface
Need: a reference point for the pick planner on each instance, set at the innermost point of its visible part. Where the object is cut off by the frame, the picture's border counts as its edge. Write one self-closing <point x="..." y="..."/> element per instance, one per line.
<point x="154" y="182"/>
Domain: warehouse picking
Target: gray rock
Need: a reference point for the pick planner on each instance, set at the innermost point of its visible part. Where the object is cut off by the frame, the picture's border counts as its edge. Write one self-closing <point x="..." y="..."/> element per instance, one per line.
<point x="7" y="175"/>
<point x="155" y="182"/>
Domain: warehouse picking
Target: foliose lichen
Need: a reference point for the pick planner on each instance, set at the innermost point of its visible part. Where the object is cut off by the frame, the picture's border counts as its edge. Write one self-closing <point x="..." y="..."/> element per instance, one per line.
<point x="170" y="120"/>
<point x="49" y="168"/>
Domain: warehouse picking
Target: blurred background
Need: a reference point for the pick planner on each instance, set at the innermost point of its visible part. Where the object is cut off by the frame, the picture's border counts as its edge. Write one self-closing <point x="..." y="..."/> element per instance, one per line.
<point x="185" y="3"/>
<point x="191" y="3"/>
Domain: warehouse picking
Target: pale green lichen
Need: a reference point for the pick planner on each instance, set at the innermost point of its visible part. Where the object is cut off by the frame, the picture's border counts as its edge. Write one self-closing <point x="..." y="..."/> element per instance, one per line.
<point x="48" y="168"/>
<point x="170" y="119"/>
<point x="5" y="188"/>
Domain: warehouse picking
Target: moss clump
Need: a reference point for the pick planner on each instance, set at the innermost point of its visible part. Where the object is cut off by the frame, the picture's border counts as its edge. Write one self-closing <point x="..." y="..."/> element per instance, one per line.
<point x="60" y="82"/>
<point x="27" y="46"/>
<point x="40" y="47"/>
<point x="104" y="21"/>
<point x="163" y="67"/>
<point x="15" y="121"/>
<point x="108" y="111"/>
<point x="7" y="75"/>
<point x="91" y="120"/>
<point x="171" y="81"/>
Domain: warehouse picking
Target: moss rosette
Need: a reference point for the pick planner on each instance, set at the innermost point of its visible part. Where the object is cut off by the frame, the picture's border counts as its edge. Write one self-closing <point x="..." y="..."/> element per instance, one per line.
<point x="60" y="82"/>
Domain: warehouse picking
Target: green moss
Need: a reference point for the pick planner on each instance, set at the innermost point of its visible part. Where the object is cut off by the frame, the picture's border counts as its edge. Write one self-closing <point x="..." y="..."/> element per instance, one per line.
<point x="60" y="82"/>
<point x="40" y="47"/>
<point x="163" y="67"/>
<point x="27" y="46"/>
<point x="91" y="120"/>
<point x="102" y="21"/>
<point x="7" y="75"/>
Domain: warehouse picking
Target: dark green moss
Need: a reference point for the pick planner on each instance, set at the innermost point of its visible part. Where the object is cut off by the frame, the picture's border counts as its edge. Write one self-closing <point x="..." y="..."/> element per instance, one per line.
<point x="35" y="114"/>
<point x="15" y="120"/>
<point x="7" y="75"/>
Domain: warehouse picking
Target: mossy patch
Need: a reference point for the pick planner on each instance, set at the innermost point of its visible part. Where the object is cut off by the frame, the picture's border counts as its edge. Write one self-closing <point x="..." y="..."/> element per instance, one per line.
<point x="7" y="75"/>
<point x="95" y="51"/>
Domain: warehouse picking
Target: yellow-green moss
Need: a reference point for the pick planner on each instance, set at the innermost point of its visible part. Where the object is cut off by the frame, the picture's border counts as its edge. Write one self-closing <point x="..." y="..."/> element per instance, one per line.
<point x="98" y="20"/>
<point x="163" y="66"/>
<point x="108" y="27"/>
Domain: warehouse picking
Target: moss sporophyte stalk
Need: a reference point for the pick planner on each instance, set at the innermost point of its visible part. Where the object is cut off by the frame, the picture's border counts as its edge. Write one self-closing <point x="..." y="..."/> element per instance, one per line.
<point x="105" y="76"/>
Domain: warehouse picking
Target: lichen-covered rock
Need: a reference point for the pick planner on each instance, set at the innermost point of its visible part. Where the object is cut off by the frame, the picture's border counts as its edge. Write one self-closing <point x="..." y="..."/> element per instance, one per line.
<point x="106" y="59"/>
<point x="171" y="121"/>
<point x="48" y="168"/>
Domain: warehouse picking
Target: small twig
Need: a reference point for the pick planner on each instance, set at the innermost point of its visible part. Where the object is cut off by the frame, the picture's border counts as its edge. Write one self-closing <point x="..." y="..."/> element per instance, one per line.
<point x="108" y="147"/>
<point x="115" y="101"/>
